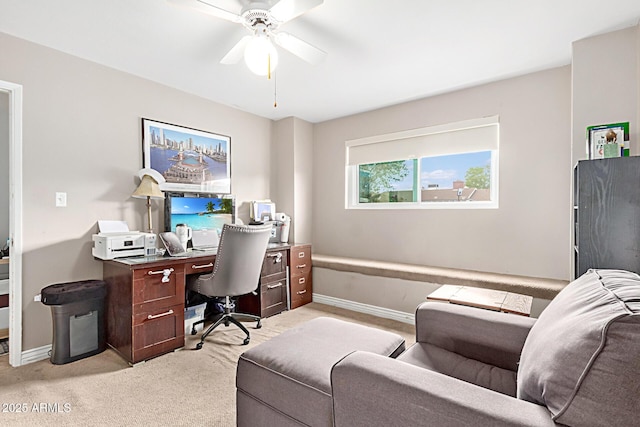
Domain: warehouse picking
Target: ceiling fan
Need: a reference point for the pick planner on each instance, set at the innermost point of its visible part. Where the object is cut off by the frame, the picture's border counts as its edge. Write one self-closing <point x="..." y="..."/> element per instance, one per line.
<point x="263" y="20"/>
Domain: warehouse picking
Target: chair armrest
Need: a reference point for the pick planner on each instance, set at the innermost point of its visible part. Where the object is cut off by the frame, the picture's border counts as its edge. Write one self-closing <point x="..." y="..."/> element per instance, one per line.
<point x="373" y="390"/>
<point x="488" y="336"/>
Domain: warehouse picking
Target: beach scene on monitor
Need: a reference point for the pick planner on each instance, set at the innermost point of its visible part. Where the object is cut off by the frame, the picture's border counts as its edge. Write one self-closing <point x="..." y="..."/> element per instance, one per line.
<point x="188" y="158"/>
<point x="201" y="213"/>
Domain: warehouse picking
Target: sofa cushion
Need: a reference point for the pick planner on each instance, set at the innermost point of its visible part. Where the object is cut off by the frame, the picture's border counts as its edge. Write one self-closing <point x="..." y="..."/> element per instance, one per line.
<point x="581" y="359"/>
<point x="446" y="362"/>
<point x="291" y="373"/>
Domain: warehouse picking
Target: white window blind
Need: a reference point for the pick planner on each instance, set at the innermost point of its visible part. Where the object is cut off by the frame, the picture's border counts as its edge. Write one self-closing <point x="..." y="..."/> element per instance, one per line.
<point x="460" y="137"/>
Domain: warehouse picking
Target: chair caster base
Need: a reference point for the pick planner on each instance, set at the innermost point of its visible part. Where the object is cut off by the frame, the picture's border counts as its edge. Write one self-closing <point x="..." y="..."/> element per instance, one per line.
<point x="198" y="346"/>
<point x="258" y="326"/>
<point x="193" y="331"/>
<point x="246" y="341"/>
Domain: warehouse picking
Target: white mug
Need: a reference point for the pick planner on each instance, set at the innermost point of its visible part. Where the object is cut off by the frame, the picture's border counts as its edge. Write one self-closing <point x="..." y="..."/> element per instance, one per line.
<point x="184" y="233"/>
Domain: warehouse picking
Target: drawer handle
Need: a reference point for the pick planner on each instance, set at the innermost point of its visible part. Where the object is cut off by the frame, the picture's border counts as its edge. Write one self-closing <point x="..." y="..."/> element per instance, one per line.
<point x="301" y="255"/>
<point x="167" y="313"/>
<point x="165" y="274"/>
<point x="277" y="256"/>
<point x="302" y="280"/>
<point x="301" y="266"/>
<point x="195" y="267"/>
<point x="274" y="286"/>
<point x="301" y="292"/>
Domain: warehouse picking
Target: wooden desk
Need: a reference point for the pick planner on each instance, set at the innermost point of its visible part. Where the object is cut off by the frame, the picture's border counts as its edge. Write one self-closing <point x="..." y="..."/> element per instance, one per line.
<point x="146" y="298"/>
<point x="489" y="299"/>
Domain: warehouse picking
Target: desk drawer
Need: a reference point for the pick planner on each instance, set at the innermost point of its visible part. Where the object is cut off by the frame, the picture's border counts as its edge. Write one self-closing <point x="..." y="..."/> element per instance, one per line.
<point x="300" y="260"/>
<point x="301" y="290"/>
<point x="157" y="332"/>
<point x="273" y="297"/>
<point x="200" y="265"/>
<point x="158" y="287"/>
<point x="273" y="281"/>
<point x="274" y="262"/>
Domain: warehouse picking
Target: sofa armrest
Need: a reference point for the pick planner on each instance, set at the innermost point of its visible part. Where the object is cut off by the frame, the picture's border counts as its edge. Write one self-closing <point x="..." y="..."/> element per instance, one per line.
<point x="488" y="336"/>
<point x="372" y="390"/>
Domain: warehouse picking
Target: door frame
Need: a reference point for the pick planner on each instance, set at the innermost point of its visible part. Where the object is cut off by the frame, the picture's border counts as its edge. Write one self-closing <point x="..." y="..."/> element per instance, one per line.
<point x="15" y="220"/>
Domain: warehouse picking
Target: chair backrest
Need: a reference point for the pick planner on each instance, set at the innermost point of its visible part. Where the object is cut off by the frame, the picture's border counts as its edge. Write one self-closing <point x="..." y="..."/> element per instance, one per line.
<point x="238" y="261"/>
<point x="581" y="359"/>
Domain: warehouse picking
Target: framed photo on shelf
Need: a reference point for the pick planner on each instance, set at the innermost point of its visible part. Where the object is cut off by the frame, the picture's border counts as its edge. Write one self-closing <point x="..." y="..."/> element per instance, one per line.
<point x="190" y="160"/>
<point x="605" y="141"/>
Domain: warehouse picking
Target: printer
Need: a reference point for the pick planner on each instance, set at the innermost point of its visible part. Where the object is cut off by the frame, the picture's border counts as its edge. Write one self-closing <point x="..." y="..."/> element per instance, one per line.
<point x="118" y="242"/>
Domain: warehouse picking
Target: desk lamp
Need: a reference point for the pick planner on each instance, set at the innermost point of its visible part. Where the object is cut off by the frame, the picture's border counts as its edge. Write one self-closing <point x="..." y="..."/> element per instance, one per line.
<point x="150" y="180"/>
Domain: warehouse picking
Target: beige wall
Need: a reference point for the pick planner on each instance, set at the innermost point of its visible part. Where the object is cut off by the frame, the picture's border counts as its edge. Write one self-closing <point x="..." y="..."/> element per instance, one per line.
<point x="605" y="85"/>
<point x="283" y="140"/>
<point x="527" y="235"/>
<point x="605" y="88"/>
<point x="82" y="136"/>
<point x="303" y="181"/>
<point x="292" y="149"/>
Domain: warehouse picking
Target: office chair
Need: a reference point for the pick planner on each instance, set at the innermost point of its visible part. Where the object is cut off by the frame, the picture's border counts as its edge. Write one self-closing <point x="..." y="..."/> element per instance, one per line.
<point x="236" y="272"/>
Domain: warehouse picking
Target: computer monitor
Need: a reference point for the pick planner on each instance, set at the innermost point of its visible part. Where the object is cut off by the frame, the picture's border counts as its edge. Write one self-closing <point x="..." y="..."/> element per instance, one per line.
<point x="200" y="211"/>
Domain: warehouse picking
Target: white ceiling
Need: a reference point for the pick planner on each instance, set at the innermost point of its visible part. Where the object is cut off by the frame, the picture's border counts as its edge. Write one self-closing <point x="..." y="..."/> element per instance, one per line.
<point x="380" y="52"/>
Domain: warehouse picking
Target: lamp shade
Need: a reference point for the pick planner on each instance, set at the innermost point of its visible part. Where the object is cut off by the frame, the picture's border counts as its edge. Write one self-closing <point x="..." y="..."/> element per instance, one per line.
<point x="148" y="187"/>
<point x="261" y="56"/>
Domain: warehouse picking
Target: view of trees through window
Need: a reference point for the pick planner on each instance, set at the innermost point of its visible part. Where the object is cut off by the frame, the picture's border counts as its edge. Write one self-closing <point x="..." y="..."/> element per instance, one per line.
<point x="464" y="177"/>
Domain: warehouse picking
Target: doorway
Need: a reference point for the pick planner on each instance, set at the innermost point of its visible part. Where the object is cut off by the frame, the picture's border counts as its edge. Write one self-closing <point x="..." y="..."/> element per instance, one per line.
<point x="12" y="115"/>
<point x="4" y="223"/>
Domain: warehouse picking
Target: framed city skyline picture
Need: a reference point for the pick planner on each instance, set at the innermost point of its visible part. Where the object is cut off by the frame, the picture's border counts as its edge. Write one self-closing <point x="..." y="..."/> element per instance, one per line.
<point x="189" y="159"/>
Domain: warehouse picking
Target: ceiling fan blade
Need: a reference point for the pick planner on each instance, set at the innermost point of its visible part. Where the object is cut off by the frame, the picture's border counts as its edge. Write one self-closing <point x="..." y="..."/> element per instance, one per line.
<point x="286" y="10"/>
<point x="207" y="6"/>
<point x="300" y="48"/>
<point x="237" y="52"/>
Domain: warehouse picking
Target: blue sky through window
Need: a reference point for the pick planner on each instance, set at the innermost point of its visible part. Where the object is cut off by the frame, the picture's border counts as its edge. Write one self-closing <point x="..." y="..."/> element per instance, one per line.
<point x="443" y="170"/>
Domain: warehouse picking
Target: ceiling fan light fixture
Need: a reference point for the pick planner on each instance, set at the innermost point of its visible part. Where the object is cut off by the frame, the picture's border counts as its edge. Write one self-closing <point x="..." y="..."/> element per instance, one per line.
<point x="261" y="56"/>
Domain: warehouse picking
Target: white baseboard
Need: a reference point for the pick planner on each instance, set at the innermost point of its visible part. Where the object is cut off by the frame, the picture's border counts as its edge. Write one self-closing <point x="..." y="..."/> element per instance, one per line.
<point x="35" y="354"/>
<point x="387" y="313"/>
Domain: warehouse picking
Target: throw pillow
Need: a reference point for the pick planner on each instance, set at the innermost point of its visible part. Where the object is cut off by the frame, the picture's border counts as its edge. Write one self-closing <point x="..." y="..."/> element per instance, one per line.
<point x="581" y="359"/>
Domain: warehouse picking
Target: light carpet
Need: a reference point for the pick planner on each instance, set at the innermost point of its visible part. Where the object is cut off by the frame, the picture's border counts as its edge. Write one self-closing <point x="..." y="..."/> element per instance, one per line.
<point x="180" y="388"/>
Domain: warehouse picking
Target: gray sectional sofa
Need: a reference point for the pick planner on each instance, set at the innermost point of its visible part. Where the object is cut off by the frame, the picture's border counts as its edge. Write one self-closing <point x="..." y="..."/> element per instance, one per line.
<point x="577" y="365"/>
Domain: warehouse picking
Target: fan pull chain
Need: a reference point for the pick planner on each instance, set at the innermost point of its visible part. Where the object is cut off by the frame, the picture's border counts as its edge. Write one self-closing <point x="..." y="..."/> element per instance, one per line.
<point x="275" y="90"/>
<point x="269" y="66"/>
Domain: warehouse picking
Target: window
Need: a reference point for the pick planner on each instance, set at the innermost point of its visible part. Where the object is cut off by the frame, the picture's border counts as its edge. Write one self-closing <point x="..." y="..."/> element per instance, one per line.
<point x="388" y="182"/>
<point x="447" y="166"/>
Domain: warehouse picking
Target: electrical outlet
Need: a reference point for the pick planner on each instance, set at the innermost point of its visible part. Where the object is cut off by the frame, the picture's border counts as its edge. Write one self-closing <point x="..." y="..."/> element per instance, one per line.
<point x="61" y="200"/>
<point x="37" y="298"/>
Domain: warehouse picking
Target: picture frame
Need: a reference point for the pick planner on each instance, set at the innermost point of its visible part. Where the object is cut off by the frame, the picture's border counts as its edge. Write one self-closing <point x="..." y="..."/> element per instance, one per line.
<point x="190" y="160"/>
<point x="609" y="140"/>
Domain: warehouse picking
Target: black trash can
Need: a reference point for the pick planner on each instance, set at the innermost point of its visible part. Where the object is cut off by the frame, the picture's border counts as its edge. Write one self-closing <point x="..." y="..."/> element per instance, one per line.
<point x="77" y="310"/>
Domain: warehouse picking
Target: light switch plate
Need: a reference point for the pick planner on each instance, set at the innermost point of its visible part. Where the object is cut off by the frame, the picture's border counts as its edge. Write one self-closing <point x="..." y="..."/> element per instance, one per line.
<point x="61" y="200"/>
